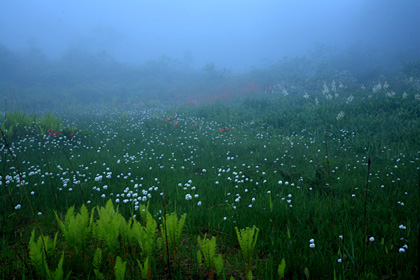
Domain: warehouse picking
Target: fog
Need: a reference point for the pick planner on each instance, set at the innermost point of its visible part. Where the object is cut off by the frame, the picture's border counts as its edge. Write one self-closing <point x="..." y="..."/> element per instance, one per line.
<point x="62" y="53"/>
<point x="236" y="34"/>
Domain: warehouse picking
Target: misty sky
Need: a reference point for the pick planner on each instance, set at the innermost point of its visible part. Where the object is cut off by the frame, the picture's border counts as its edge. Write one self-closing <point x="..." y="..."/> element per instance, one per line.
<point x="235" y="34"/>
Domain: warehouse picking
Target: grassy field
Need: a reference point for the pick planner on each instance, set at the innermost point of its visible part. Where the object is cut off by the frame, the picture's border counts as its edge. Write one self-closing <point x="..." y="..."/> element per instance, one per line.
<point x="331" y="180"/>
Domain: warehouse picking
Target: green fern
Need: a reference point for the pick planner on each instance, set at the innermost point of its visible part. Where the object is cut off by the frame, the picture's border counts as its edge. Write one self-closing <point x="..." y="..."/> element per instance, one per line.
<point x="96" y="263"/>
<point x="143" y="211"/>
<point x="207" y="252"/>
<point x="148" y="236"/>
<point x="145" y="269"/>
<point x="36" y="254"/>
<point x="172" y="233"/>
<point x="58" y="273"/>
<point x="247" y="240"/>
<point x="76" y="230"/>
<point x="39" y="255"/>
<point x="109" y="226"/>
<point x="119" y="269"/>
<point x="282" y="268"/>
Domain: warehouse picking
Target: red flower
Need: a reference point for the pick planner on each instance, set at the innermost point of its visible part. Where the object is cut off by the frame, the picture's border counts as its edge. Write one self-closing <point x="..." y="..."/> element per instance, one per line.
<point x="175" y="123"/>
<point x="195" y="124"/>
<point x="168" y="118"/>
<point x="71" y="133"/>
<point x="223" y="129"/>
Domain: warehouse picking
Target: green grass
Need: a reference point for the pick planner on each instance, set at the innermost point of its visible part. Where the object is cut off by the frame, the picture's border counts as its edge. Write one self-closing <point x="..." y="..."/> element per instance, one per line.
<point x="235" y="174"/>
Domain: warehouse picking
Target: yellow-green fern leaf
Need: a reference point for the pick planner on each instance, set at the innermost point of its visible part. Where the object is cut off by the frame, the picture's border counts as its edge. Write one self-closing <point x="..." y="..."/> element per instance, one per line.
<point x="119" y="269"/>
<point x="36" y="254"/>
<point x="282" y="268"/>
<point x="145" y="268"/>
<point x="218" y="264"/>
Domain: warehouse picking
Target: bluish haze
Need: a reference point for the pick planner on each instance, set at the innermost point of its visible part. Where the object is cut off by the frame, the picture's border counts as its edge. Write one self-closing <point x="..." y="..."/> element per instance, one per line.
<point x="230" y="33"/>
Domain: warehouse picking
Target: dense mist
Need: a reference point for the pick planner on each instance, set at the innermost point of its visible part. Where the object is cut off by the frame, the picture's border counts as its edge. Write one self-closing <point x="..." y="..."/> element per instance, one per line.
<point x="95" y="49"/>
<point x="233" y="34"/>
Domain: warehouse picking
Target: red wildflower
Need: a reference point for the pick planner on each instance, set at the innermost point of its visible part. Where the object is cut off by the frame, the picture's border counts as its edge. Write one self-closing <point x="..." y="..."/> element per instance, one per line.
<point x="71" y="133"/>
<point x="175" y="123"/>
<point x="223" y="129"/>
<point x="168" y="118"/>
<point x="195" y="124"/>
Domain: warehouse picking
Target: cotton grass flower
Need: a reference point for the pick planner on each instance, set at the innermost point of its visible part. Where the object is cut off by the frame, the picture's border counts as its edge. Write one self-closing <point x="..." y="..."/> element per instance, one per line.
<point x="312" y="243"/>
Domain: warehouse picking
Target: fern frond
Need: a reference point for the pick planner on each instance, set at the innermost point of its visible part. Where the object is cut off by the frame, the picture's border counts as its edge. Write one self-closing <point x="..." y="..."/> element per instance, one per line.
<point x="98" y="275"/>
<point x="145" y="268"/>
<point x="36" y="255"/>
<point x="143" y="211"/>
<point x="58" y="274"/>
<point x="119" y="269"/>
<point x="282" y="268"/>
<point x="148" y="236"/>
<point x="77" y="229"/>
<point x="107" y="227"/>
<point x="247" y="239"/>
<point x="218" y="264"/>
<point x="97" y="258"/>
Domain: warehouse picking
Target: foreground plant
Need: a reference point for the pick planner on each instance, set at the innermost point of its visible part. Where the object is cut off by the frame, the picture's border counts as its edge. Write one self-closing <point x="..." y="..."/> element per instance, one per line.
<point x="40" y="252"/>
<point x="281" y="268"/>
<point x="171" y="235"/>
<point x="207" y="255"/>
<point x="146" y="237"/>
<point x="76" y="229"/>
<point x="110" y="226"/>
<point x="247" y="240"/>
